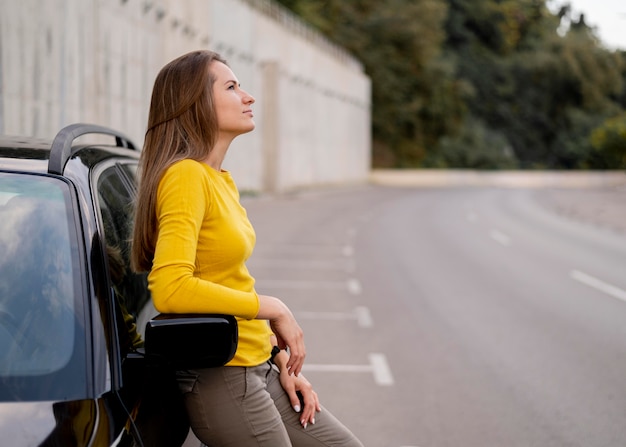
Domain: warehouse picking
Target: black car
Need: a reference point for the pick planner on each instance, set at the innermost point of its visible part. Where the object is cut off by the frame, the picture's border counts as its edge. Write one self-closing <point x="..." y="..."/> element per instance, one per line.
<point x="85" y="360"/>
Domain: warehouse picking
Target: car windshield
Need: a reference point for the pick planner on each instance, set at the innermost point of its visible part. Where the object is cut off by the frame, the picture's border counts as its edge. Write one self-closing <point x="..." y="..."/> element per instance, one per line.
<point x="41" y="340"/>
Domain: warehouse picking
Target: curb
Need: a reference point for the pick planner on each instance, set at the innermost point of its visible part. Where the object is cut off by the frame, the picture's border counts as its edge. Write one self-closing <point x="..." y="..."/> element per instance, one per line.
<point x="435" y="178"/>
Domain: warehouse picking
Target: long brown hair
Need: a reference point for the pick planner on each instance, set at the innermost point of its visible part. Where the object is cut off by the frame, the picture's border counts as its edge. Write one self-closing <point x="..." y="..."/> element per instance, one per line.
<point x="182" y="123"/>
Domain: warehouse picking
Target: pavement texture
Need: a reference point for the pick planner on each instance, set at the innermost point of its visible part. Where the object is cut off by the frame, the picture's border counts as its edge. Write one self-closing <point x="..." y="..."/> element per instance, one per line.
<point x="596" y="197"/>
<point x="602" y="206"/>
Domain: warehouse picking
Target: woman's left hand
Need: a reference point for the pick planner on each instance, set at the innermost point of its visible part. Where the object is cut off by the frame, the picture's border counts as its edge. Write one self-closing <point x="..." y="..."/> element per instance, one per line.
<point x="295" y="385"/>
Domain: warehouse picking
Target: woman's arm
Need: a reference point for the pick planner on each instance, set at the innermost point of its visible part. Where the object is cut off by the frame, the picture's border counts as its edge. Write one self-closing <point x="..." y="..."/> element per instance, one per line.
<point x="287" y="330"/>
<point x="296" y="386"/>
<point x="186" y="194"/>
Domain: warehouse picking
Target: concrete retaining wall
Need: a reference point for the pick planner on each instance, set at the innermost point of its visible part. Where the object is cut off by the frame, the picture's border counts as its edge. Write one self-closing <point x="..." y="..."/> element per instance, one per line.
<point x="65" y="61"/>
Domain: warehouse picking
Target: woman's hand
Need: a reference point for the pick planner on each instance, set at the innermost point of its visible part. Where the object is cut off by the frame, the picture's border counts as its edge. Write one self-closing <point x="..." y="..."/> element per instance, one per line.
<point x="296" y="387"/>
<point x="287" y="330"/>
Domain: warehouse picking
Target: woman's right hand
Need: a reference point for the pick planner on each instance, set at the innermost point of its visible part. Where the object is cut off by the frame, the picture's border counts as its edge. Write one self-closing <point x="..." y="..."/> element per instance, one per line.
<point x="286" y="328"/>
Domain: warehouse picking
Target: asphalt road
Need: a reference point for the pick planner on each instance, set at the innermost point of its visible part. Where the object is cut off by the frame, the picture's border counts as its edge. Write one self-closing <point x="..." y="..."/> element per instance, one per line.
<point x="456" y="317"/>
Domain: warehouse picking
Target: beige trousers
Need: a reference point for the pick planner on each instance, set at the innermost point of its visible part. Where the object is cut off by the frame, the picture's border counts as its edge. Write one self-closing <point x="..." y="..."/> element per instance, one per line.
<point x="241" y="407"/>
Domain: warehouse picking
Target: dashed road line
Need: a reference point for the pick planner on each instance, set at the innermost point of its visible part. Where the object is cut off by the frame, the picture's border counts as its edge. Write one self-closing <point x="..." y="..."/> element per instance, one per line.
<point x="500" y="237"/>
<point x="598" y="284"/>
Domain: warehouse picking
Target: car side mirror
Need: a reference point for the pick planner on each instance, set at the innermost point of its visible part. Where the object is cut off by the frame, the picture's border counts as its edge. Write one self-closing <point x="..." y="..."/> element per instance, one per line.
<point x="190" y="341"/>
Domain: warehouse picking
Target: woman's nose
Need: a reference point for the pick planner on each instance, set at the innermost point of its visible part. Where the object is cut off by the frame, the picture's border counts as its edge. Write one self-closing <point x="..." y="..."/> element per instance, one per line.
<point x="248" y="98"/>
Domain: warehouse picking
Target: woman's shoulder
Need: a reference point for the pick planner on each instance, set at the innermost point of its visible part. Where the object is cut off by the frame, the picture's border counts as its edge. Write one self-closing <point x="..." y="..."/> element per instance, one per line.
<point x="195" y="167"/>
<point x="191" y="170"/>
<point x="186" y="173"/>
<point x="187" y="165"/>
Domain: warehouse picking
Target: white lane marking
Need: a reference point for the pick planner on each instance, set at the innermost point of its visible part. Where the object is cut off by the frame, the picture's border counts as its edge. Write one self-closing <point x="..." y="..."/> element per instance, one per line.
<point x="292" y="284"/>
<point x="344" y="264"/>
<point x="361" y="314"/>
<point x="352" y="285"/>
<point x="347" y="251"/>
<point x="598" y="284"/>
<point x="378" y="366"/>
<point x="382" y="372"/>
<point x="500" y="237"/>
<point x="301" y="248"/>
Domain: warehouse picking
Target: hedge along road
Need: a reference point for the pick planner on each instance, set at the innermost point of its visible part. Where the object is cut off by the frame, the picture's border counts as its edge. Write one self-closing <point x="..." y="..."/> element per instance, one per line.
<point x="453" y="316"/>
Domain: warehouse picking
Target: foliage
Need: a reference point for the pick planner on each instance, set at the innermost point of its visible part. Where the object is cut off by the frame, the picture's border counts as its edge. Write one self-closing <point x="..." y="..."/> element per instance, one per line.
<point x="476" y="147"/>
<point x="456" y="81"/>
<point x="609" y="144"/>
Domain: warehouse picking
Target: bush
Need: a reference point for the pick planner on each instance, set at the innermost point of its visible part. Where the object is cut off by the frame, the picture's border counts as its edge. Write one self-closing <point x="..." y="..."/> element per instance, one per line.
<point x="609" y="144"/>
<point x="475" y="147"/>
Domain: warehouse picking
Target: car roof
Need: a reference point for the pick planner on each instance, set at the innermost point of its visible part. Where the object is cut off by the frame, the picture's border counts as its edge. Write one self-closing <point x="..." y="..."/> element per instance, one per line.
<point x="41" y="156"/>
<point x="24" y="154"/>
<point x="9" y="141"/>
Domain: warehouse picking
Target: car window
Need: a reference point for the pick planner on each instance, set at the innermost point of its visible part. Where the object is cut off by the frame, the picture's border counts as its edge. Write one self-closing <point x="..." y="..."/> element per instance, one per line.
<point x="130" y="169"/>
<point x="141" y="301"/>
<point x="42" y="347"/>
<point x="115" y="201"/>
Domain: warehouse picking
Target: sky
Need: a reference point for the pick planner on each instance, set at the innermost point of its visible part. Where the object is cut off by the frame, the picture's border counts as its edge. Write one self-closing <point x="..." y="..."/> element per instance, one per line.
<point x="609" y="16"/>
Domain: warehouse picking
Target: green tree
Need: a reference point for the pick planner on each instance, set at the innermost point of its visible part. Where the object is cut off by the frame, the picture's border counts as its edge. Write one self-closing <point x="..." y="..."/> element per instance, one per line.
<point x="476" y="147"/>
<point x="609" y="144"/>
<point x="415" y="97"/>
<point x="543" y="91"/>
<point x="478" y="83"/>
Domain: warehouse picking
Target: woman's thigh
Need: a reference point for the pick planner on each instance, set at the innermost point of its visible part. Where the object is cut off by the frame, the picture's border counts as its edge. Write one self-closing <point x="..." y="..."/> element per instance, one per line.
<point x="230" y="406"/>
<point x="327" y="430"/>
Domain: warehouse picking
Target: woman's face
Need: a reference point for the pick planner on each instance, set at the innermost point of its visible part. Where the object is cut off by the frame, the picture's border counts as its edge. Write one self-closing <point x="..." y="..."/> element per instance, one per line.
<point x="232" y="104"/>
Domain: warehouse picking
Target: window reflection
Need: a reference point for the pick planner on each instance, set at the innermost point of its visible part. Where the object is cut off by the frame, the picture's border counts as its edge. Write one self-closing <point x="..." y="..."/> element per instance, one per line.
<point x="115" y="202"/>
<point x="36" y="286"/>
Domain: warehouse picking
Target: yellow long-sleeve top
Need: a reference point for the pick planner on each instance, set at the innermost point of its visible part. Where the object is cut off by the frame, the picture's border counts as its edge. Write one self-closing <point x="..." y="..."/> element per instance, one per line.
<point x="204" y="240"/>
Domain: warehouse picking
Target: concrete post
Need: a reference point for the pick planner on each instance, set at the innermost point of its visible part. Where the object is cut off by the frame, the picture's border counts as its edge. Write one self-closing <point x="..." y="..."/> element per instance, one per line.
<point x="270" y="140"/>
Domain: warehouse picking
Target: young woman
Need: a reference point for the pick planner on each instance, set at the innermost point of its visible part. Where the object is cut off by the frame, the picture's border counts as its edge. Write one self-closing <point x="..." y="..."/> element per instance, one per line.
<point x="194" y="237"/>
